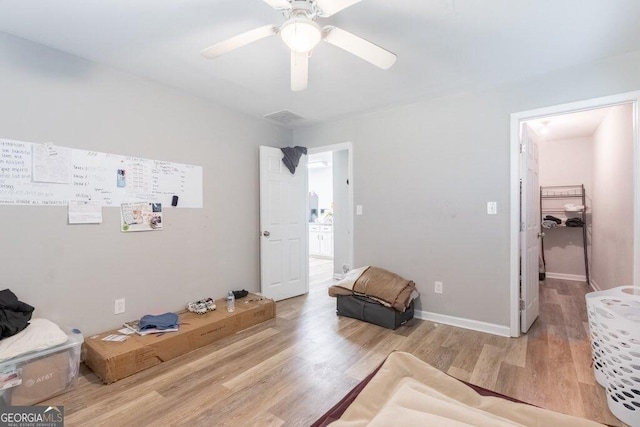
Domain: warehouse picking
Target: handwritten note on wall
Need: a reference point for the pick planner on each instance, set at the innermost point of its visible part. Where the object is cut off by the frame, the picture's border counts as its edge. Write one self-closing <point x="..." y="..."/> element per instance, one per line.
<point x="51" y="163"/>
<point x="109" y="178"/>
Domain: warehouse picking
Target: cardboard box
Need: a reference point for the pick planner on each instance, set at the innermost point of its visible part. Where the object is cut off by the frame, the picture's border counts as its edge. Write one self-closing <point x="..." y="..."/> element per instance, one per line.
<point x="112" y="361"/>
<point x="41" y="375"/>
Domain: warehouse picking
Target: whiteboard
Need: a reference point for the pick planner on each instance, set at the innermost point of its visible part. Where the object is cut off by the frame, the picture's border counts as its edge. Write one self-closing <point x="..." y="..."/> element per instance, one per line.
<point x="110" y="178"/>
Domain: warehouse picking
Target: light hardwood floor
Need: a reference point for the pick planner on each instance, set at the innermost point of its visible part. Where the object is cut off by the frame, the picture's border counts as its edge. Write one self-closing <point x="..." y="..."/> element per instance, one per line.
<point x="320" y="273"/>
<point x="292" y="369"/>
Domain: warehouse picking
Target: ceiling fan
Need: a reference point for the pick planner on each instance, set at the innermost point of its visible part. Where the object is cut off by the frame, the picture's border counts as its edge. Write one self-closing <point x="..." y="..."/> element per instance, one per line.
<point x="301" y="33"/>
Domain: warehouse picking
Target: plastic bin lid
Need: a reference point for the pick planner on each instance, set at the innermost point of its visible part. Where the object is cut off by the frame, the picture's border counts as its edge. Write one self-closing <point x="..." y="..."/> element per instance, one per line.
<point x="74" y="339"/>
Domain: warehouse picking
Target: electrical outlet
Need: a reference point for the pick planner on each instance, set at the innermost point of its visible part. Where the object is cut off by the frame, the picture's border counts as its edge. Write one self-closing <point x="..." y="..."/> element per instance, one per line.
<point x="438" y="287"/>
<point x="119" y="306"/>
<point x="492" y="208"/>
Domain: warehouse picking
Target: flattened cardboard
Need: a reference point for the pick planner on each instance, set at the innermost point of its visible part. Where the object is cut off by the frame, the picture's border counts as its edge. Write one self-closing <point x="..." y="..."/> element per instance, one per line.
<point x="112" y="361"/>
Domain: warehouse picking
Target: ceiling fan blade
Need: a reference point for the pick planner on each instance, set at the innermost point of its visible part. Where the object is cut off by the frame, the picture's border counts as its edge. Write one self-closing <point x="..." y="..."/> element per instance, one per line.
<point x="299" y="70"/>
<point x="238" y="41"/>
<point x="359" y="47"/>
<point x="279" y="4"/>
<point x="329" y="7"/>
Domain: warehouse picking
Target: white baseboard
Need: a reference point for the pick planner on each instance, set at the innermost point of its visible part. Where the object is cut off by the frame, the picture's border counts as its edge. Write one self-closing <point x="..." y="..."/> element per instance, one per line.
<point x="562" y="276"/>
<point x="460" y="322"/>
<point x="595" y="286"/>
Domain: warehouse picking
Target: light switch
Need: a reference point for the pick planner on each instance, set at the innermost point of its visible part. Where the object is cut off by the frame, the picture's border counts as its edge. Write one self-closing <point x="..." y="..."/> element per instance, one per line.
<point x="492" y="208"/>
<point x="358" y="209"/>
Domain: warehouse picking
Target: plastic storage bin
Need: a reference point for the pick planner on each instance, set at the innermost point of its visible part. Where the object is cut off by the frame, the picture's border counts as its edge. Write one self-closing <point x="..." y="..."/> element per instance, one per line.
<point x="40" y="375"/>
<point x="614" y="327"/>
<point x="363" y="308"/>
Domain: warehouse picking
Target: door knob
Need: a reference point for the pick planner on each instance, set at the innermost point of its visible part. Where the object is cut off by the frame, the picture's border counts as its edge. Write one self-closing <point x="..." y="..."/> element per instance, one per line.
<point x="540" y="234"/>
<point x="266" y="234"/>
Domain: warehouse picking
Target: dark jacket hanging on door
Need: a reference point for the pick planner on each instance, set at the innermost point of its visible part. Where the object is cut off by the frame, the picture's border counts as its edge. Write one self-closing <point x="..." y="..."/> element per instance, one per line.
<point x="14" y="314"/>
<point x="292" y="157"/>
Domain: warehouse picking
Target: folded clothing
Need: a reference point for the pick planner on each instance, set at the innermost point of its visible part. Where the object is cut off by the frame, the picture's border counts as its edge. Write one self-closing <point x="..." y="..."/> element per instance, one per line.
<point x="573" y="208"/>
<point x="547" y="223"/>
<point x="161" y="321"/>
<point x="376" y="283"/>
<point x="553" y="218"/>
<point x="574" y="222"/>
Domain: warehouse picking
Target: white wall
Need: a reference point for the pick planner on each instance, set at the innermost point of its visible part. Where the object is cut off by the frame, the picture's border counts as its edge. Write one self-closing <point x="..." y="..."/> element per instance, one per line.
<point x="612" y="242"/>
<point x="566" y="162"/>
<point x="321" y="183"/>
<point x="424" y="173"/>
<point x="72" y="274"/>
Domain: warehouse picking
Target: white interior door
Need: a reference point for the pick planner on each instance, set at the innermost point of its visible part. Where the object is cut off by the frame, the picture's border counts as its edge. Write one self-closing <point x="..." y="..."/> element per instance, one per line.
<point x="530" y="231"/>
<point x="283" y="226"/>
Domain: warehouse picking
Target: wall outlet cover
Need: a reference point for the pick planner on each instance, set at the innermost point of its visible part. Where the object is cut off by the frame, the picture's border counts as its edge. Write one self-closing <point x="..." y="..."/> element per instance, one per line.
<point x="119" y="306"/>
<point x="438" y="287"/>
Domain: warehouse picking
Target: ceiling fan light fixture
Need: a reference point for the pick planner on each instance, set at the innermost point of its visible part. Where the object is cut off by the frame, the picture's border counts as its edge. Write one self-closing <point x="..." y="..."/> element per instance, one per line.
<point x="301" y="34"/>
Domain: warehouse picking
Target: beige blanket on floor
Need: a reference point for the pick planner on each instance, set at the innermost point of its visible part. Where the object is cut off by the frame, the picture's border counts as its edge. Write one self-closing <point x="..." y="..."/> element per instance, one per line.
<point x="384" y="286"/>
<point x="409" y="392"/>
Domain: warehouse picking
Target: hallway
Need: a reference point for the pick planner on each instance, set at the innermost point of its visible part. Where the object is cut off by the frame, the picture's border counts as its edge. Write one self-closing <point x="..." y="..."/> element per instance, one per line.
<point x="320" y="274"/>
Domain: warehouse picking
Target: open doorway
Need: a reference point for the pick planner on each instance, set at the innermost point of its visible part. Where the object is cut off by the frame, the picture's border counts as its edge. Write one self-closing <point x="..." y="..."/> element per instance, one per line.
<point x="588" y="158"/>
<point x="320" y="170"/>
<point x="586" y="200"/>
<point x="329" y="211"/>
<point x="583" y="204"/>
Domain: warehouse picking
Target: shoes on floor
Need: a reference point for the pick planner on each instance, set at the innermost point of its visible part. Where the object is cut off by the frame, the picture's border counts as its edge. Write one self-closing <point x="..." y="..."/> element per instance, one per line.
<point x="201" y="307"/>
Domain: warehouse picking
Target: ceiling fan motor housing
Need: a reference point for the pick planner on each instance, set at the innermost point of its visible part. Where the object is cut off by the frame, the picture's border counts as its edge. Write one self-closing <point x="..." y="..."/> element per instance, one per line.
<point x="307" y="7"/>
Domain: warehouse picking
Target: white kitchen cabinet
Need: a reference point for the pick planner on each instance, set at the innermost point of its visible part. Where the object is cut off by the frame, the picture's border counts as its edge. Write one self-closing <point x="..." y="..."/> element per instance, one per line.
<point x="314" y="239"/>
<point x="326" y="240"/>
<point x="321" y="240"/>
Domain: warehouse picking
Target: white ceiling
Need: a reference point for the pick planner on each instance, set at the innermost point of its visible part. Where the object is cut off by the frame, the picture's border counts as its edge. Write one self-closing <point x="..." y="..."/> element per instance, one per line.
<point x="443" y="46"/>
<point x="567" y="126"/>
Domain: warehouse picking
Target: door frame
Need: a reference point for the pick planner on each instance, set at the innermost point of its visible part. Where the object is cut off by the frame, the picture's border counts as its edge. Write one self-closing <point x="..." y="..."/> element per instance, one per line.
<point x="348" y="146"/>
<point x="516" y="174"/>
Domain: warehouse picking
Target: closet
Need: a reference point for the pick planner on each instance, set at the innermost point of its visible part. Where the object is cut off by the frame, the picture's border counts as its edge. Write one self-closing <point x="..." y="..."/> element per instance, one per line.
<point x="564" y="206"/>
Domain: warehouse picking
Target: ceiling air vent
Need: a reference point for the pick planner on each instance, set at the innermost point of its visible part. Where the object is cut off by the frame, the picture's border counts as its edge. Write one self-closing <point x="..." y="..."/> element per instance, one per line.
<point x="284" y="117"/>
